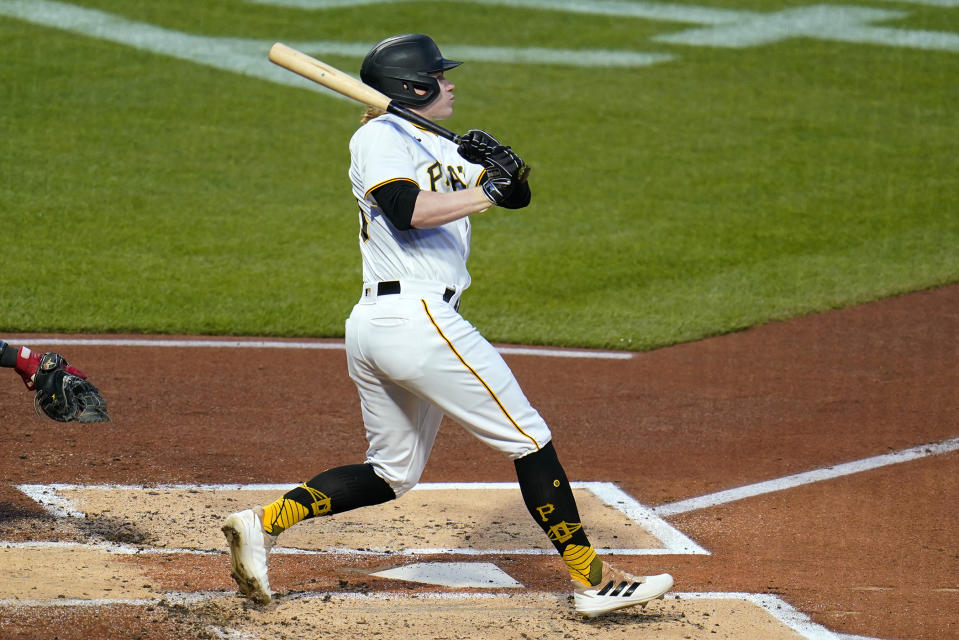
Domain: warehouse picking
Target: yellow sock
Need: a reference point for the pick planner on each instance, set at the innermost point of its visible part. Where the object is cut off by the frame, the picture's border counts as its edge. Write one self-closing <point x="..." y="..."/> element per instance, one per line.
<point x="580" y="561"/>
<point x="280" y="515"/>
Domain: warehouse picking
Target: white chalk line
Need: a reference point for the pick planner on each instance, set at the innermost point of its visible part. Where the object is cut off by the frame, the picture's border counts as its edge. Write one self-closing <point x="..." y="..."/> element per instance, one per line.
<point x="725" y="28"/>
<point x="773" y="605"/>
<point x="122" y="549"/>
<point x="248" y="56"/>
<point x="608" y="492"/>
<point x="721" y="27"/>
<point x="651" y="518"/>
<point x="661" y="11"/>
<point x="808" y="477"/>
<point x="50" y="497"/>
<point x="544" y="352"/>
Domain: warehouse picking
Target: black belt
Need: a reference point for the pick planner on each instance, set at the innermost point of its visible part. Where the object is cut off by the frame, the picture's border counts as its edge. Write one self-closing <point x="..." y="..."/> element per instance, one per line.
<point x="392" y="287"/>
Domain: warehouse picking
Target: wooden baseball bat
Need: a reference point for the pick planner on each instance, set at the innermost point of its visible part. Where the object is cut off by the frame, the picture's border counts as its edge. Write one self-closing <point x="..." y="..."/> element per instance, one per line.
<point x="345" y="84"/>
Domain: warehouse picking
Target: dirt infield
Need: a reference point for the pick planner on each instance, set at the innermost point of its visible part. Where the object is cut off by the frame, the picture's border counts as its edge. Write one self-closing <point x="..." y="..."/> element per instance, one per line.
<point x="870" y="550"/>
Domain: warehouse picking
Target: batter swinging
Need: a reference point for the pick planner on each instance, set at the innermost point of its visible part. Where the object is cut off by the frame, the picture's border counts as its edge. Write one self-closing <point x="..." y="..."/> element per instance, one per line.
<point x="413" y="357"/>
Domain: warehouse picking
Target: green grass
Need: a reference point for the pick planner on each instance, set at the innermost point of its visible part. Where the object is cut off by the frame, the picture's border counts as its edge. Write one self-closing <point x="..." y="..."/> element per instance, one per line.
<point x="725" y="189"/>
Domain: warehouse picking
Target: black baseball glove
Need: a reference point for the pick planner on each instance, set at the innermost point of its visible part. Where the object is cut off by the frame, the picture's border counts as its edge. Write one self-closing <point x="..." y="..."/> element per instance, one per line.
<point x="64" y="396"/>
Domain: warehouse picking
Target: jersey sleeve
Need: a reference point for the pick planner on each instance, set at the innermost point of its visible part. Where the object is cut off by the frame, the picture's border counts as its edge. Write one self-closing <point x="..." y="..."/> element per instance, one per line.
<point x="396" y="200"/>
<point x="387" y="156"/>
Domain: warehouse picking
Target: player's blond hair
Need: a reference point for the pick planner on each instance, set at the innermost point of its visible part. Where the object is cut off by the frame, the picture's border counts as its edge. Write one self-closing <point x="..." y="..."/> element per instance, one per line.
<point x="370" y="113"/>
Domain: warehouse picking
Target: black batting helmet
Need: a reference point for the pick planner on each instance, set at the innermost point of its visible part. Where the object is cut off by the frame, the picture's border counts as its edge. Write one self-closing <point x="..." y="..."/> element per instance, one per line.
<point x="398" y="65"/>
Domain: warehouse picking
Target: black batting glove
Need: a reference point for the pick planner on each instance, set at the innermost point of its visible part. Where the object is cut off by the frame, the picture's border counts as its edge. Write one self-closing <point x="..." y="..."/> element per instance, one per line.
<point x="497" y="188"/>
<point x="475" y="145"/>
<point x="505" y="160"/>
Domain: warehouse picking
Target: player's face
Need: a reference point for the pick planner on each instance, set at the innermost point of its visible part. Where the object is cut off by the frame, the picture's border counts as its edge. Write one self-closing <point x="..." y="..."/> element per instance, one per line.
<point x="442" y="105"/>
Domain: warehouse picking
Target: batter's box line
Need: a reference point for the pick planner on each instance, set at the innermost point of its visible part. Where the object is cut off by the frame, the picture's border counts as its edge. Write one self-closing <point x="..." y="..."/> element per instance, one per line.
<point x="773" y="605"/>
<point x="808" y="477"/>
<point x="674" y="542"/>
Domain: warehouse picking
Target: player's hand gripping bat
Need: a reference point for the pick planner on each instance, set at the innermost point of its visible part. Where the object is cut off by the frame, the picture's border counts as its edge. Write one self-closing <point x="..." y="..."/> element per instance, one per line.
<point x="345" y="84"/>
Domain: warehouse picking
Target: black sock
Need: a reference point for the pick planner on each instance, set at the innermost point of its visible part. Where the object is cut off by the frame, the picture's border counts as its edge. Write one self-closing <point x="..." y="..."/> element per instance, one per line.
<point x="550" y="501"/>
<point x="333" y="491"/>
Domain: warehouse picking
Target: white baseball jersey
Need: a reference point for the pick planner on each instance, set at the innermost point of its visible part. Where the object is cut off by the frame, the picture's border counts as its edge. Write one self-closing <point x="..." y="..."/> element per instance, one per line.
<point x="413" y="357"/>
<point x="387" y="149"/>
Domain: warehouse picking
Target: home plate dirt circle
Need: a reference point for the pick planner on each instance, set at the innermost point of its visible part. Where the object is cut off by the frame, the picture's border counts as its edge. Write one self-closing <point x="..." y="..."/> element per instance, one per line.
<point x="177" y="565"/>
<point x="118" y="587"/>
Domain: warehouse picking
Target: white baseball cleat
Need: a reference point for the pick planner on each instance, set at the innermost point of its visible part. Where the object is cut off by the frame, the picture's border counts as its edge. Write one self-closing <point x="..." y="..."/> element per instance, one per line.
<point x="618" y="590"/>
<point x="249" y="546"/>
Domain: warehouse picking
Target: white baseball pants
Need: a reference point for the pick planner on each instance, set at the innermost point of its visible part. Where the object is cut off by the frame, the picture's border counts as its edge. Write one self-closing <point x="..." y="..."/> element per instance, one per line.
<point x="413" y="359"/>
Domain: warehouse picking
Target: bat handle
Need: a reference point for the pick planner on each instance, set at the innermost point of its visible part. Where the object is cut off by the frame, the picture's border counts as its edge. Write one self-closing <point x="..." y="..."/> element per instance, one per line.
<point x="425" y="123"/>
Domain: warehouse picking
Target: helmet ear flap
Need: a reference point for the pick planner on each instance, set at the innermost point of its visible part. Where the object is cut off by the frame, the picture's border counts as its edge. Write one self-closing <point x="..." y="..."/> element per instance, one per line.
<point x="404" y="90"/>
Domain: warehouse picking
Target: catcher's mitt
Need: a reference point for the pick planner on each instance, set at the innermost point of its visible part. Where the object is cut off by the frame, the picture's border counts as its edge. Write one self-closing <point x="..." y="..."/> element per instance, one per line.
<point x="66" y="397"/>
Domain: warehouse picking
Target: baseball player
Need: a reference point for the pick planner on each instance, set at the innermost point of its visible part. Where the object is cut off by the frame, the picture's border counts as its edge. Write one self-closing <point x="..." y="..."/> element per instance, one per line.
<point x="412" y="356"/>
<point x="63" y="392"/>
